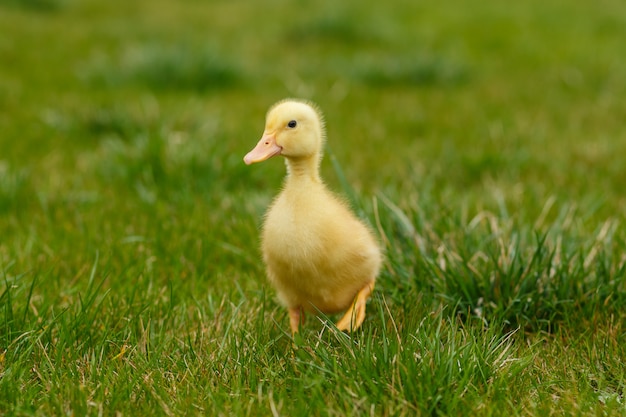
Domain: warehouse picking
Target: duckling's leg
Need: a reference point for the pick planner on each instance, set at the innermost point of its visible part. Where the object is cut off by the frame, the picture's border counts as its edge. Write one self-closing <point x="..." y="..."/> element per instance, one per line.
<point x="355" y="315"/>
<point x="296" y="318"/>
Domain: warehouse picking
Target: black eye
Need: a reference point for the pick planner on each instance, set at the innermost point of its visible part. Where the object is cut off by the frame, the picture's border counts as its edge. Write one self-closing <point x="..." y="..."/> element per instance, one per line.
<point x="292" y="124"/>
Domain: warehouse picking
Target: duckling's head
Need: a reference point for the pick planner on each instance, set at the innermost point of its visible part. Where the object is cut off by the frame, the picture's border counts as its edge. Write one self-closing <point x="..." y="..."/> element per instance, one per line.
<point x="293" y="129"/>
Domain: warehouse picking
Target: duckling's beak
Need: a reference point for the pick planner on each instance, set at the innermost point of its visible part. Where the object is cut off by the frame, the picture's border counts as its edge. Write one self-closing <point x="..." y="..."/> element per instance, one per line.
<point x="265" y="149"/>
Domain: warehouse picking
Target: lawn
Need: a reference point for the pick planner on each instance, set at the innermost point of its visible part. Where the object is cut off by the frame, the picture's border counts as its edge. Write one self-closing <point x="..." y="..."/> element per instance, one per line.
<point x="484" y="143"/>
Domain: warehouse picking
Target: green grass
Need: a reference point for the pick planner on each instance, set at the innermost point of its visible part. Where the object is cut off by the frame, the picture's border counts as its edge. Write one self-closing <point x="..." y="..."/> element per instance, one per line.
<point x="483" y="142"/>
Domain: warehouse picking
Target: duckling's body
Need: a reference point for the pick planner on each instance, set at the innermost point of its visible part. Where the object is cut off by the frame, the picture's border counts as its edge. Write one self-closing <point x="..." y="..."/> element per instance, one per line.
<point x="318" y="255"/>
<point x="329" y="256"/>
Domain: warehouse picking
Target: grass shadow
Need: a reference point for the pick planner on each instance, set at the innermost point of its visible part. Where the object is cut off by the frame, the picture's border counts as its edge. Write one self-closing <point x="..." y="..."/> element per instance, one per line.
<point x="411" y="71"/>
<point x="169" y="67"/>
<point x="43" y="6"/>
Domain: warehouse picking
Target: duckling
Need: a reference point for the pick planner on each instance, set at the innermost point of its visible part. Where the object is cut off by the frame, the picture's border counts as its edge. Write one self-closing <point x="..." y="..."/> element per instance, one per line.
<point x="318" y="255"/>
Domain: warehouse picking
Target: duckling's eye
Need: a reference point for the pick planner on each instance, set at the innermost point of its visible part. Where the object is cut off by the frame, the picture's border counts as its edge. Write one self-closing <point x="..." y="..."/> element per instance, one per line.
<point x="292" y="124"/>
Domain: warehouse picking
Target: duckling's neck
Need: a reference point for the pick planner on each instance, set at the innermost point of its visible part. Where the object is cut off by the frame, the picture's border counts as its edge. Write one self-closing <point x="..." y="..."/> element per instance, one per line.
<point x="302" y="170"/>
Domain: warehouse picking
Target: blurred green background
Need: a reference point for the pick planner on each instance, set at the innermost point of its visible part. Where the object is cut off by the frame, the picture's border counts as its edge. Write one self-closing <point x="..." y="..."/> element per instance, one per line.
<point x="112" y="111"/>
<point x="468" y="134"/>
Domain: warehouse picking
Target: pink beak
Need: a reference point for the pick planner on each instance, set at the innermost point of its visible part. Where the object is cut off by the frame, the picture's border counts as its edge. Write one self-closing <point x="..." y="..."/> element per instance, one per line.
<point x="265" y="149"/>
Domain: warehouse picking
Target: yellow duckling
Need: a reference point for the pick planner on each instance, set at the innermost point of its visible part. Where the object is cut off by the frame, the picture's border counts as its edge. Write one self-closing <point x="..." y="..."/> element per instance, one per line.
<point x="318" y="255"/>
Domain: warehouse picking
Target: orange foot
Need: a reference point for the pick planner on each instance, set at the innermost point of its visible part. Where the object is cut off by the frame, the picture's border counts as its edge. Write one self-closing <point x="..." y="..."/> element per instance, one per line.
<point x="354" y="317"/>
<point x="296" y="318"/>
